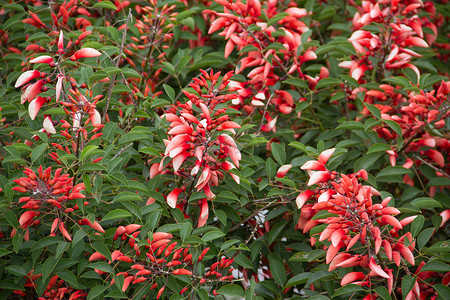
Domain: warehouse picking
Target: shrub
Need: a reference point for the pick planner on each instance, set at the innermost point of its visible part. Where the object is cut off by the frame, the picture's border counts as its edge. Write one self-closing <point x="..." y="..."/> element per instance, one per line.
<point x="254" y="149"/>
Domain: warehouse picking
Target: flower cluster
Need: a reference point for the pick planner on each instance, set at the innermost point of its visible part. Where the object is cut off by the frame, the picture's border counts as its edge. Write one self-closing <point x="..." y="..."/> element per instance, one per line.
<point x="197" y="144"/>
<point x="163" y="257"/>
<point x="270" y="47"/>
<point x="49" y="196"/>
<point x="402" y="28"/>
<point x="355" y="222"/>
<point x="79" y="106"/>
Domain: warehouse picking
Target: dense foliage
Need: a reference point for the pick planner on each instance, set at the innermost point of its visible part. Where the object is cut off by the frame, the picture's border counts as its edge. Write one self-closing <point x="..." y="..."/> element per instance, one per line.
<point x="261" y="149"/>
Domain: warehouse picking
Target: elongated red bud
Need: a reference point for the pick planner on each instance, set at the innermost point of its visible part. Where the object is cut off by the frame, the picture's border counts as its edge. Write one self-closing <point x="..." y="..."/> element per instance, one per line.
<point x="84" y="53"/>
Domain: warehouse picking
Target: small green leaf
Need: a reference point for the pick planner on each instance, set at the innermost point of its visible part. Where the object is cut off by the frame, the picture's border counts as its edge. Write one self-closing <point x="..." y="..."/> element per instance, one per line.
<point x="48" y="266"/>
<point x="185" y="230"/>
<point x="232" y="290"/>
<point x="328" y="83"/>
<point x="297" y="82"/>
<point x="169" y="91"/>
<point x="298" y="279"/>
<point x="221" y="215"/>
<point x="373" y="110"/>
<point x="96" y="291"/>
<point x="394" y="126"/>
<point x="127" y="196"/>
<point x="426" y="203"/>
<point x="279" y="153"/>
<point x="436" y="266"/>
<point x="408" y="282"/>
<point x="417" y="225"/>
<point x="347" y="289"/>
<point x="270" y="168"/>
<point x="102" y="266"/>
<point x="351" y="125"/>
<point x="443" y="291"/>
<point x="38" y="151"/>
<point x="68" y="277"/>
<point x="277" y="269"/>
<point x="243" y="261"/>
<point x="87" y="151"/>
<point x="91" y="167"/>
<point x="424" y="237"/>
<point x="105" y="4"/>
<point x="102" y="249"/>
<point x="319" y="276"/>
<point x="212" y="235"/>
<point x="379" y="147"/>
<point x="383" y="293"/>
<point x="393" y="171"/>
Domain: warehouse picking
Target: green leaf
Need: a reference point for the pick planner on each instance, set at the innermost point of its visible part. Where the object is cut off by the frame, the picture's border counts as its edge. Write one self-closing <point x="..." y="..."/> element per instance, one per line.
<point x="298" y="146"/>
<point x="16" y="270"/>
<point x="408" y="282"/>
<point x="4" y="252"/>
<point x="351" y="125"/>
<point x="297" y="82"/>
<point x="102" y="266"/>
<point x="373" y="110"/>
<point x="279" y="153"/>
<point x="68" y="277"/>
<point x="319" y="276"/>
<point x="367" y="161"/>
<point x="232" y="290"/>
<point x="274" y="20"/>
<point x="393" y="171"/>
<point x="270" y="168"/>
<point x="394" y="126"/>
<point x="243" y="261"/>
<point x="150" y="150"/>
<point x="91" y="167"/>
<point x="78" y="236"/>
<point x="169" y="91"/>
<point x="88" y="151"/>
<point x="328" y="83"/>
<point x="17" y="7"/>
<point x="315" y="255"/>
<point x="38" y="151"/>
<point x="11" y="218"/>
<point x="102" y="249"/>
<point x="105" y="4"/>
<point x="298" y="279"/>
<point x="116" y="214"/>
<point x="379" y="147"/>
<point x="275" y="232"/>
<point x="439" y="181"/>
<point x="127" y="196"/>
<point x="96" y="291"/>
<point x="436" y="266"/>
<point x="443" y="291"/>
<point x="221" y="215"/>
<point x="228" y="244"/>
<point x="212" y="235"/>
<point x="426" y="203"/>
<point x="383" y="293"/>
<point x="347" y="289"/>
<point x="248" y="48"/>
<point x="439" y="247"/>
<point x="49" y="266"/>
<point x="424" y="237"/>
<point x="417" y="225"/>
<point x="133" y="208"/>
<point x="185" y="230"/>
<point x="277" y="269"/>
<point x="17" y="241"/>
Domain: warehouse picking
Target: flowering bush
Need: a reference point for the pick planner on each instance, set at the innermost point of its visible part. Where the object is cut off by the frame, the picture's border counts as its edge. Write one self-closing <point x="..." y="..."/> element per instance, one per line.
<point x="257" y="149"/>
